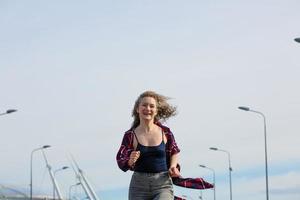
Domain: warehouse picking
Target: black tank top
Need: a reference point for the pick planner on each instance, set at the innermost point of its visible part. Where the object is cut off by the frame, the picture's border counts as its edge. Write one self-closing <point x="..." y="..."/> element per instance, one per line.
<point x="152" y="158"/>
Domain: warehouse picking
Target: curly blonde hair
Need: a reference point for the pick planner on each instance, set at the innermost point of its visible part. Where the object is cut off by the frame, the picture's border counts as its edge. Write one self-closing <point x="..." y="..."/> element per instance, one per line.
<point x="164" y="109"/>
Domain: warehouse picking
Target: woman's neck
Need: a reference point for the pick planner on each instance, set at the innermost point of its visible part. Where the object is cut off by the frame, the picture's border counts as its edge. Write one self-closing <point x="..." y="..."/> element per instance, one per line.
<point x="146" y="126"/>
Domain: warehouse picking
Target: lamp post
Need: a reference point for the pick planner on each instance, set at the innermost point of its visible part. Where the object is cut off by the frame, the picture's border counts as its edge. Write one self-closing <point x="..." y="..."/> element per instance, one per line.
<point x="8" y="111"/>
<point x="214" y="178"/>
<point x="43" y="147"/>
<point x="201" y="195"/>
<point x="230" y="168"/>
<point x="265" y="137"/>
<point x="70" y="188"/>
<point x="297" y="40"/>
<point x="54" y="173"/>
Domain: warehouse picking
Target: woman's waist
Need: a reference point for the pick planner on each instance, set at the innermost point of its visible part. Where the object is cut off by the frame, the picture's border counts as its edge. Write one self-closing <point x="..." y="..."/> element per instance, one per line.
<point x="151" y="174"/>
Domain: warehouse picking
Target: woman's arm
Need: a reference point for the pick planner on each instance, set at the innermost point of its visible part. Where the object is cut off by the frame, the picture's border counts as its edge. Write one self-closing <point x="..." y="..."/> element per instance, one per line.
<point x="174" y="160"/>
<point x="173" y="170"/>
<point x="124" y="152"/>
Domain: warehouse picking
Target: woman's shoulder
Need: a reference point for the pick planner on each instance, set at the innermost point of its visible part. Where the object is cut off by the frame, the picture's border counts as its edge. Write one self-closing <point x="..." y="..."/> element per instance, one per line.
<point x="164" y="128"/>
<point x="127" y="138"/>
<point x="129" y="132"/>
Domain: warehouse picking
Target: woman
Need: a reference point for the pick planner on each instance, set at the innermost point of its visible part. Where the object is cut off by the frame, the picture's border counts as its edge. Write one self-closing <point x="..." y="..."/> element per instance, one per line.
<point x="149" y="149"/>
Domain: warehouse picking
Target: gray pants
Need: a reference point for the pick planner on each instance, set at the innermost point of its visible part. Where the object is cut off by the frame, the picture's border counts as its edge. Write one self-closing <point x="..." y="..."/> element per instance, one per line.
<point x="151" y="186"/>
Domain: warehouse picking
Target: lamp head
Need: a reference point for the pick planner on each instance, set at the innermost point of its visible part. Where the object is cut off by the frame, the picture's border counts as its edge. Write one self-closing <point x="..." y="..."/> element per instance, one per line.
<point x="65" y="167"/>
<point x="244" y="108"/>
<point x="46" y="146"/>
<point x="297" y="40"/>
<point x="202" y="166"/>
<point x="11" y="111"/>
<point x="213" y="148"/>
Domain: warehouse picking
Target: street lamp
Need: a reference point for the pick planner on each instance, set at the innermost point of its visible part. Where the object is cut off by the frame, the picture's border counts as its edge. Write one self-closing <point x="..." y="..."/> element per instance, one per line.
<point x="230" y="168"/>
<point x="265" y="136"/>
<point x="214" y="178"/>
<point x="297" y="40"/>
<point x="55" y="171"/>
<point x="8" y="111"/>
<point x="43" y="147"/>
<point x="70" y="188"/>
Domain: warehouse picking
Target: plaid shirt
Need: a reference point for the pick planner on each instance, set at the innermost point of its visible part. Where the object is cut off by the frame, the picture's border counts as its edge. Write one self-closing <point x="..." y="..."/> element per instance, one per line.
<point x="171" y="148"/>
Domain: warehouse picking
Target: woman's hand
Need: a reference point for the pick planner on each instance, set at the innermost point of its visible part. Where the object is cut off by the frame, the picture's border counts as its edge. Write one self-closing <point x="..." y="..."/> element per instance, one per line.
<point x="134" y="155"/>
<point x="174" y="172"/>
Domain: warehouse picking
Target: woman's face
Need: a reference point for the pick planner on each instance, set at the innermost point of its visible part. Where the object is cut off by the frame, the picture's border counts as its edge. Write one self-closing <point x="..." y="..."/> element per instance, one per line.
<point x="147" y="108"/>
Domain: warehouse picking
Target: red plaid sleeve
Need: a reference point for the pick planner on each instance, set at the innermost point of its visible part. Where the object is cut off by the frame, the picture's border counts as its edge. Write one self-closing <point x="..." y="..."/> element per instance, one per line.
<point x="124" y="151"/>
<point x="171" y="146"/>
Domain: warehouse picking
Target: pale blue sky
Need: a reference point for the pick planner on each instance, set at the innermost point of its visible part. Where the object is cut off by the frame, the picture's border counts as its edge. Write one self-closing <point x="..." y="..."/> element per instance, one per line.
<point x="73" y="69"/>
